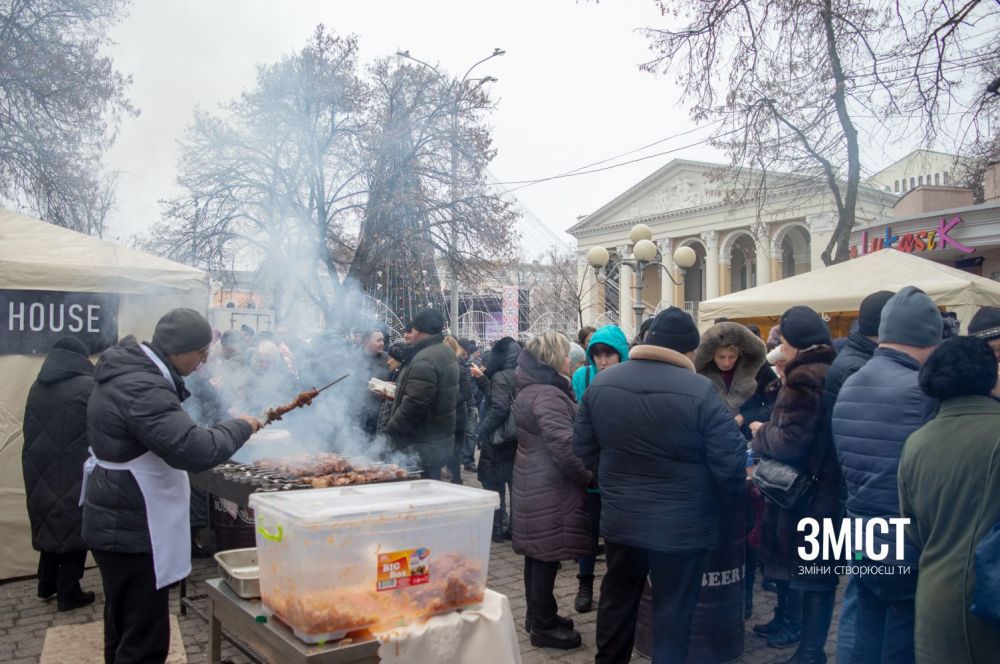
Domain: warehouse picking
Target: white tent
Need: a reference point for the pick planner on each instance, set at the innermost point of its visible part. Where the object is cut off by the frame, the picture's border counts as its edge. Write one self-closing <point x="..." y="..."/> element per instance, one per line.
<point x="39" y="257"/>
<point x="839" y="289"/>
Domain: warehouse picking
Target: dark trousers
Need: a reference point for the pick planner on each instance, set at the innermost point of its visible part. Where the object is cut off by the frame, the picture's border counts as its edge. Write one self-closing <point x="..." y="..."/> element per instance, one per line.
<point x="593" y="504"/>
<point x="455" y="462"/>
<point x="430" y="473"/>
<point x="883" y="624"/>
<point x="469" y="444"/>
<point x="539" y="580"/>
<point x="676" y="581"/>
<point x="60" y="573"/>
<point x="136" y="614"/>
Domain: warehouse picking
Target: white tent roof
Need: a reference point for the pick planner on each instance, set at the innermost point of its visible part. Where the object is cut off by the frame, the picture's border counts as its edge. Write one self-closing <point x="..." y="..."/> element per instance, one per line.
<point x="841" y="287"/>
<point x="36" y="255"/>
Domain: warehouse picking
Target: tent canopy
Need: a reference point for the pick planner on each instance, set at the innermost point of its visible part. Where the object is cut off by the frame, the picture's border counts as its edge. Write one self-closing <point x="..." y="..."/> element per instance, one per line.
<point x="35" y="255"/>
<point x="841" y="287"/>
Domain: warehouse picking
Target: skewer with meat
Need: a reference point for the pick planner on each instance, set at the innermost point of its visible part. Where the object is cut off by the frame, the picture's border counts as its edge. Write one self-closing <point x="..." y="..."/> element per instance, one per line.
<point x="303" y="399"/>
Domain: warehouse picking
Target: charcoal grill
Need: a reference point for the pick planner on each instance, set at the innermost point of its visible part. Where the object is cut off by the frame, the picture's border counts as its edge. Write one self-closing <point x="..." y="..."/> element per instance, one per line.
<point x="236" y="481"/>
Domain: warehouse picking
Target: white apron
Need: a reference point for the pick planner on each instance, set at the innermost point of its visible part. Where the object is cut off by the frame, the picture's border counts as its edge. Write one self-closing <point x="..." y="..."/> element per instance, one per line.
<point x="167" y="494"/>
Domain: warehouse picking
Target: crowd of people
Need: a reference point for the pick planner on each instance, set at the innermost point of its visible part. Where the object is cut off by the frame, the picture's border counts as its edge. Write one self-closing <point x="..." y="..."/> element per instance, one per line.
<point x="634" y="450"/>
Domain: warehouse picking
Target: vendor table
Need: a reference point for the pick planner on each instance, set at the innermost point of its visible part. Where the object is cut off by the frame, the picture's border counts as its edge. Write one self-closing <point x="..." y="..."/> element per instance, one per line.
<point x="483" y="635"/>
<point x="272" y="639"/>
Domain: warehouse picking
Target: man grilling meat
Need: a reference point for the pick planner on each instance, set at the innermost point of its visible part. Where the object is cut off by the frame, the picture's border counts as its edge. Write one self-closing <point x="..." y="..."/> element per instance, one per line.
<point x="135" y="488"/>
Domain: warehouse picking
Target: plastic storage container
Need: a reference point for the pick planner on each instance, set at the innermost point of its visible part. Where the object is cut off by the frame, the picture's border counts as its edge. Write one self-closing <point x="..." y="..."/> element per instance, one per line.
<point x="337" y="560"/>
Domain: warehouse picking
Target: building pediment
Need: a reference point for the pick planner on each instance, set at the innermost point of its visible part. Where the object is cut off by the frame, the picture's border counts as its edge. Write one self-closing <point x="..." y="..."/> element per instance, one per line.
<point x="684" y="186"/>
<point x="680" y="185"/>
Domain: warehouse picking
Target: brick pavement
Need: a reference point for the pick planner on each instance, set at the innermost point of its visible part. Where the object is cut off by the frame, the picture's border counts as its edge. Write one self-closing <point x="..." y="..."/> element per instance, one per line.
<point x="24" y="618"/>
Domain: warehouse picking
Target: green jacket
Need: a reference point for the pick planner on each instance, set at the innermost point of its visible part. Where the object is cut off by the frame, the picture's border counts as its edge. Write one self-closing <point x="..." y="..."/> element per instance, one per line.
<point x="609" y="335"/>
<point x="949" y="487"/>
<point x="423" y="413"/>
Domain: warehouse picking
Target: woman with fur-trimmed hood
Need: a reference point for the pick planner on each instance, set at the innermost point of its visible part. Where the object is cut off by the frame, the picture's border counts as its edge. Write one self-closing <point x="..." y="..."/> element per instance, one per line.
<point x="730" y="355"/>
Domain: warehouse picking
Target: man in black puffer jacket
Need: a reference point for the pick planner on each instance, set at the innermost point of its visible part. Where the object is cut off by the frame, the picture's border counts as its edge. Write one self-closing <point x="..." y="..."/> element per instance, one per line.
<point x="876" y="411"/>
<point x="668" y="454"/>
<point x="135" y="513"/>
<point x="422" y="418"/>
<point x="860" y="347"/>
<point x="55" y="448"/>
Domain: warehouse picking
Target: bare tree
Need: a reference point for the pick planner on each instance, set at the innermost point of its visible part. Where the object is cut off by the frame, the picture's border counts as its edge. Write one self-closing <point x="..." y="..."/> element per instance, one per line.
<point x="426" y="149"/>
<point x="788" y="82"/>
<point x="60" y="104"/>
<point x="275" y="185"/>
<point x="322" y="178"/>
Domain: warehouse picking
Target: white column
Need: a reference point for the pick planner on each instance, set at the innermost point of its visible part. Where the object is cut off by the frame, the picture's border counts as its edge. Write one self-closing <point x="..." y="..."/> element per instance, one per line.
<point x="588" y="289"/>
<point x="763" y="254"/>
<point x="666" y="285"/>
<point x="712" y="268"/>
<point x="625" y="313"/>
<point x="821" y="227"/>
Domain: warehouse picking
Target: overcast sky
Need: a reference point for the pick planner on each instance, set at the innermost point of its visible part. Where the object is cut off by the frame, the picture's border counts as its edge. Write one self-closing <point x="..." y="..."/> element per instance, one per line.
<point x="569" y="92"/>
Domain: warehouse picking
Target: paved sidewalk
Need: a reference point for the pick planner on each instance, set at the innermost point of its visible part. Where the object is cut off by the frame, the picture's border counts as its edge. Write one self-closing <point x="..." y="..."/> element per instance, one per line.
<point x="24" y="618"/>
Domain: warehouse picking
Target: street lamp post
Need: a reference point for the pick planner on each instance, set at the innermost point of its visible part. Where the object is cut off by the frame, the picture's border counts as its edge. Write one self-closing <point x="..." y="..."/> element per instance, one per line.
<point x="644" y="253"/>
<point x="453" y="240"/>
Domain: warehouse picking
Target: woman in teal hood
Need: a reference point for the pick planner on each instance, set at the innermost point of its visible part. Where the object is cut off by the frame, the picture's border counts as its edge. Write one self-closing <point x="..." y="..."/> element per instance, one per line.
<point x="608" y="338"/>
<point x="609" y="335"/>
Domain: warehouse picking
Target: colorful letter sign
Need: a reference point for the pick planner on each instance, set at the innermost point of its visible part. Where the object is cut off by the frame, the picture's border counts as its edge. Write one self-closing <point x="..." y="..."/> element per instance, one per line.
<point x="926" y="240"/>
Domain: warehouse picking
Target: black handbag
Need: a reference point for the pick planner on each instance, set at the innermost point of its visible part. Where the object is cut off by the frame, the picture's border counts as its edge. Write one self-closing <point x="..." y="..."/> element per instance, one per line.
<point x="784" y="485"/>
<point x="507" y="431"/>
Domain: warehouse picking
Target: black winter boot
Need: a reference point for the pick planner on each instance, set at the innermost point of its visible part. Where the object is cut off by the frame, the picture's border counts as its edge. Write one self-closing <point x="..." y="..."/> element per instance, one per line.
<point x="584" y="601"/>
<point x="776" y="623"/>
<point x="817" y="611"/>
<point x="791" y="631"/>
<point x="529" y="622"/>
<point x="557" y="637"/>
<point x="497" y="528"/>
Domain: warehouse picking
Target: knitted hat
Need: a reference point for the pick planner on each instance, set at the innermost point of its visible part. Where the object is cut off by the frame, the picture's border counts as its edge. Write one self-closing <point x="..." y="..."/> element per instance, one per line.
<point x="960" y="366"/>
<point x="181" y="331"/>
<point x="428" y="321"/>
<point x="674" y="329"/>
<point x="395" y="351"/>
<point x="986" y="324"/>
<point x="71" y="344"/>
<point x="910" y="318"/>
<point x="803" y="328"/>
<point x="870" y="312"/>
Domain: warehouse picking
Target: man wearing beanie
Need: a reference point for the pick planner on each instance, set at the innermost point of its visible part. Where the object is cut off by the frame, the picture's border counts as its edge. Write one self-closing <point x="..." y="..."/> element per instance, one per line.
<point x="985" y="325"/>
<point x="876" y="410"/>
<point x="422" y="417"/>
<point x="136" y="494"/>
<point x="860" y="347"/>
<point x="670" y="457"/>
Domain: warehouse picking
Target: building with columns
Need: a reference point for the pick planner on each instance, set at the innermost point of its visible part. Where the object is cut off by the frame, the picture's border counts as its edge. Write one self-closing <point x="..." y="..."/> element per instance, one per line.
<point x="738" y="245"/>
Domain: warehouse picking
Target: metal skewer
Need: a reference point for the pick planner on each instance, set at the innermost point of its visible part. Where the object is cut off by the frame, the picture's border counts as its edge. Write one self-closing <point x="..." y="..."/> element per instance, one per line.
<point x="267" y="421"/>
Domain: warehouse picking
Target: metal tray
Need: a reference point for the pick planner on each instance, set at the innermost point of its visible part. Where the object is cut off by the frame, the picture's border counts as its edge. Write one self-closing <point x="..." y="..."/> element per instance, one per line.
<point x="240" y="570"/>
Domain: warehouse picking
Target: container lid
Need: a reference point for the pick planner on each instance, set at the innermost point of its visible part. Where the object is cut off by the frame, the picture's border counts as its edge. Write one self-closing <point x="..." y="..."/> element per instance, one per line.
<point x="364" y="501"/>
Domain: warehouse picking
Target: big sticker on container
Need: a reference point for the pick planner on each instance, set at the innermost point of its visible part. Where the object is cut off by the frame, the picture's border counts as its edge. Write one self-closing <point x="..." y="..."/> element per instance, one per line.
<point x="401" y="569"/>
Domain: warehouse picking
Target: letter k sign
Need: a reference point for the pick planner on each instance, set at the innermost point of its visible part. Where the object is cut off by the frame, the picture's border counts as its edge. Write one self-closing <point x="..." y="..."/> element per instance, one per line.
<point x="944" y="227"/>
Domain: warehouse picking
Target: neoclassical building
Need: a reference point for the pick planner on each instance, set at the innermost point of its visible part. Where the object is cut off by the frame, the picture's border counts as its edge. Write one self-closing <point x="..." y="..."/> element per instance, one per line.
<point x="738" y="246"/>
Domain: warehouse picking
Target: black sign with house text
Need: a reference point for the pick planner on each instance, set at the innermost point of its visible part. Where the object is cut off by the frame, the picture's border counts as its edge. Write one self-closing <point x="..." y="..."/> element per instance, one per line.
<point x="31" y="320"/>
